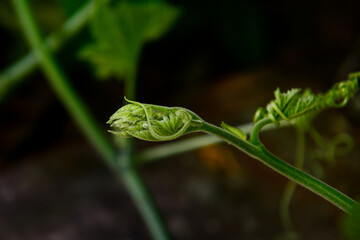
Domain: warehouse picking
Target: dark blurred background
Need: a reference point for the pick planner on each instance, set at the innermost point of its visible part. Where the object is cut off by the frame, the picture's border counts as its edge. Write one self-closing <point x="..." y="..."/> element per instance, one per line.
<point x="223" y="60"/>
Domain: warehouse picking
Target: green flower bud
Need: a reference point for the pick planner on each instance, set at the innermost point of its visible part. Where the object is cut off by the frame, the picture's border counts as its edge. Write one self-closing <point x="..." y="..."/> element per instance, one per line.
<point x="152" y="122"/>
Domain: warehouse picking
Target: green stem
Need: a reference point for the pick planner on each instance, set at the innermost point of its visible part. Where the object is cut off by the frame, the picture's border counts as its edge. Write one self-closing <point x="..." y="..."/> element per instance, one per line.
<point x="262" y="154"/>
<point x="61" y="85"/>
<point x="254" y="136"/>
<point x="166" y="150"/>
<point x="291" y="186"/>
<point x="318" y="139"/>
<point x="145" y="205"/>
<point x="130" y="84"/>
<point x="12" y="75"/>
<point x="82" y="117"/>
<point x="140" y="194"/>
<point x="133" y="181"/>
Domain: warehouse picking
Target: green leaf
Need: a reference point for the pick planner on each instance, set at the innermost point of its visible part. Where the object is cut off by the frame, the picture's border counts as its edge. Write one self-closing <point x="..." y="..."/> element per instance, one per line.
<point x="121" y="30"/>
<point x="71" y="6"/>
<point x="293" y="104"/>
<point x="234" y="130"/>
<point x="351" y="224"/>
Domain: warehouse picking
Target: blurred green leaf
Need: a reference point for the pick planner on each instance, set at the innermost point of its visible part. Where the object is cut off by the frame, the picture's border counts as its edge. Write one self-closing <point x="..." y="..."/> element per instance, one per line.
<point x="121" y="30"/>
<point x="71" y="6"/>
<point x="351" y="224"/>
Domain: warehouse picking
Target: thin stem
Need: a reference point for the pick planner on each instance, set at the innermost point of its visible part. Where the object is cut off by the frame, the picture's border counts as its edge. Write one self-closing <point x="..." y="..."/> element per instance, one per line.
<point x="139" y="192"/>
<point x="263" y="155"/>
<point x="130" y="84"/>
<point x="318" y="139"/>
<point x="141" y="198"/>
<point x="285" y="205"/>
<point x="82" y="117"/>
<point x="291" y="186"/>
<point x="254" y="136"/>
<point x="61" y="86"/>
<point x="133" y="181"/>
<point x="12" y="75"/>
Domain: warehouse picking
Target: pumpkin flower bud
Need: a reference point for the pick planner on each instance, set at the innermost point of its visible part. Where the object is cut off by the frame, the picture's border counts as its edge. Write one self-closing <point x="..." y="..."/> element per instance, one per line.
<point x="152" y="122"/>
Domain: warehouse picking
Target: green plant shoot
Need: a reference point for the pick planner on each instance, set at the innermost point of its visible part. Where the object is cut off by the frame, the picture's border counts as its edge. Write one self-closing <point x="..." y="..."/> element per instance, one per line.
<point x="292" y="104"/>
<point x="158" y="123"/>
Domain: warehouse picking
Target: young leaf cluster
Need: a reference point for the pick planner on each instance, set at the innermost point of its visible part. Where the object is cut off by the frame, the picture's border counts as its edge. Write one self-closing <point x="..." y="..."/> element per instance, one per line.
<point x="293" y="104"/>
<point x="152" y="122"/>
<point x="121" y="29"/>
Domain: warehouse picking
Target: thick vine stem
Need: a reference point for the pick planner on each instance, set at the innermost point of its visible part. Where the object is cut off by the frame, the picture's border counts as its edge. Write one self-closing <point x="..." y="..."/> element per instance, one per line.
<point x="166" y="150"/>
<point x="263" y="155"/>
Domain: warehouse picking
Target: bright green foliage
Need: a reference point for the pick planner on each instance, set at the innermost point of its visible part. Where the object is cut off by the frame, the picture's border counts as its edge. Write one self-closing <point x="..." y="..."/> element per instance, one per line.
<point x="121" y="30"/>
<point x="292" y="104"/>
<point x="152" y="122"/>
<point x="305" y="121"/>
<point x="340" y="93"/>
<point x="234" y="130"/>
<point x="70" y="6"/>
<point x="351" y="224"/>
